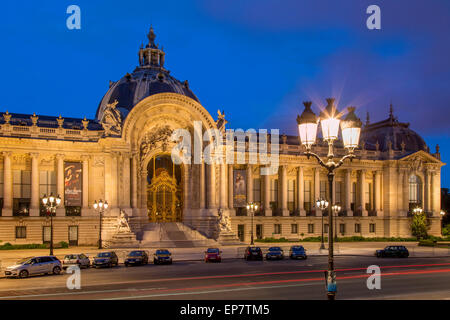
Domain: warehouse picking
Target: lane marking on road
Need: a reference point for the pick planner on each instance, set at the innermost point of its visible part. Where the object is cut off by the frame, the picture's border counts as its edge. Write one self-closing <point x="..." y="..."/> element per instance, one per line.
<point x="258" y="287"/>
<point x="231" y="276"/>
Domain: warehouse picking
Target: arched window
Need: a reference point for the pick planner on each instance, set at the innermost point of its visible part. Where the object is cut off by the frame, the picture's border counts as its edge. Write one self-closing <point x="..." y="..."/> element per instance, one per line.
<point x="415" y="191"/>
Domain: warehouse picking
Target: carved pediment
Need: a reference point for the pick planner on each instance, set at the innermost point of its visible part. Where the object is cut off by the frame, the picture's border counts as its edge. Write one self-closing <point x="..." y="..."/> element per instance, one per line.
<point x="157" y="138"/>
<point x="419" y="160"/>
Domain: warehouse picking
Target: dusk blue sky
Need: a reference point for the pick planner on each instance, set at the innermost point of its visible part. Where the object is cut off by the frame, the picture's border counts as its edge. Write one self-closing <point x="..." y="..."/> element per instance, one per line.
<point x="257" y="60"/>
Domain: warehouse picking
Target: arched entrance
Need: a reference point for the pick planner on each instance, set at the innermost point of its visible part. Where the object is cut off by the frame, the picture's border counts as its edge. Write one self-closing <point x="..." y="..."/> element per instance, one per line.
<point x="164" y="191"/>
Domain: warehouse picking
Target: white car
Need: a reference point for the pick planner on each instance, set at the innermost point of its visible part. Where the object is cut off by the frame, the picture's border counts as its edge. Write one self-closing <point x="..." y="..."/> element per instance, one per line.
<point x="80" y="260"/>
<point x="34" y="265"/>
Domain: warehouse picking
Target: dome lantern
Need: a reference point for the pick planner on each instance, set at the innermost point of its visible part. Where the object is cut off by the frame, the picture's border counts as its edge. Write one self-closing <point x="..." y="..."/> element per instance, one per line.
<point x="151" y="56"/>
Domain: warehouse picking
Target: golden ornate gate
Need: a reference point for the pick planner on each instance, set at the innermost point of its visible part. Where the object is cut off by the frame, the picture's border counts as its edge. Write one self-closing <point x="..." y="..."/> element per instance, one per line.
<point x="163" y="198"/>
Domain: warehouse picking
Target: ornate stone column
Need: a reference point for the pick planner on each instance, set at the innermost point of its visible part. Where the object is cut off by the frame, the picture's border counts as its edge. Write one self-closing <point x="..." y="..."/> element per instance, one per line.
<point x="126" y="181"/>
<point x="284" y="191"/>
<point x="223" y="200"/>
<point x="7" y="184"/>
<point x="348" y="192"/>
<point x="60" y="211"/>
<point x="300" y="192"/>
<point x="267" y="209"/>
<point x="211" y="186"/>
<point x="249" y="183"/>
<point x="362" y="192"/>
<point x="230" y="189"/>
<point x="85" y="196"/>
<point x="202" y="185"/>
<point x="317" y="189"/>
<point x="405" y="197"/>
<point x="143" y="196"/>
<point x="186" y="193"/>
<point x="34" y="205"/>
<point x="427" y="196"/>
<point x="377" y="192"/>
<point x="134" y="181"/>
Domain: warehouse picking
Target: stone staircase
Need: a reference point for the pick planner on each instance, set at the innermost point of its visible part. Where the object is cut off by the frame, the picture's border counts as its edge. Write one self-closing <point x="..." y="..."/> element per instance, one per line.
<point x="171" y="235"/>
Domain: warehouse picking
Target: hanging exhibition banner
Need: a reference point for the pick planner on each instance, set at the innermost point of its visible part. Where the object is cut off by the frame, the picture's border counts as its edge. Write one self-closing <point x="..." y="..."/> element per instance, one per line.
<point x="240" y="188"/>
<point x="72" y="184"/>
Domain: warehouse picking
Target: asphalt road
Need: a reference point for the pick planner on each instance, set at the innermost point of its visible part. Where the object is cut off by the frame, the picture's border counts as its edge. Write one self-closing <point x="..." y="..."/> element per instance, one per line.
<point x="235" y="279"/>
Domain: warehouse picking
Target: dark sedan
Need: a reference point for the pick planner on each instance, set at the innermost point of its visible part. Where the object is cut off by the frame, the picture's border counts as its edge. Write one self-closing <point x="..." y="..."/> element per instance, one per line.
<point x="253" y="253"/>
<point x="162" y="256"/>
<point x="297" y="252"/>
<point x="275" y="253"/>
<point x="393" y="251"/>
<point x="105" y="259"/>
<point x="136" y="257"/>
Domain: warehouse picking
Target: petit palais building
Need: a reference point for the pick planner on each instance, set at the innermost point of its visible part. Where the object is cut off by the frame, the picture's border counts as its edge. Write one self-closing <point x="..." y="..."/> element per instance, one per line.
<point x="123" y="156"/>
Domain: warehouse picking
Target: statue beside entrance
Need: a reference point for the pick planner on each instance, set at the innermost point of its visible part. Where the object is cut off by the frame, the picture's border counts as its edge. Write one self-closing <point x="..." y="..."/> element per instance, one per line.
<point x="122" y="223"/>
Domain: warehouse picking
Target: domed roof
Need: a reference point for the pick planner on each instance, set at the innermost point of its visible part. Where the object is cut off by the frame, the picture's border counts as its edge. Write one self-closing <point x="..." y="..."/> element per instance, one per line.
<point x="391" y="131"/>
<point x="148" y="79"/>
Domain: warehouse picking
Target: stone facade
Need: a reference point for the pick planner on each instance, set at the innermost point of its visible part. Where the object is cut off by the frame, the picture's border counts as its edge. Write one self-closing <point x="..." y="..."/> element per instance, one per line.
<point x="115" y="150"/>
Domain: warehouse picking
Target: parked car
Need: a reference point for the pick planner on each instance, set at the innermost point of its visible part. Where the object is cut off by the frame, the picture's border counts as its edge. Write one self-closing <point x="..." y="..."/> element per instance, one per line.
<point x="162" y="256"/>
<point x="213" y="254"/>
<point x="297" y="252"/>
<point x="393" y="251"/>
<point x="136" y="257"/>
<point x="80" y="260"/>
<point x="253" y="253"/>
<point x="105" y="259"/>
<point x="34" y="265"/>
<point x="275" y="253"/>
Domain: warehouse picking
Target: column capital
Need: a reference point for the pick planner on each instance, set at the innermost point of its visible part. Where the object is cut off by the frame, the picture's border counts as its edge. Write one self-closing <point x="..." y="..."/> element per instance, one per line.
<point x="34" y="155"/>
<point x="85" y="157"/>
<point x="59" y="156"/>
<point x="7" y="153"/>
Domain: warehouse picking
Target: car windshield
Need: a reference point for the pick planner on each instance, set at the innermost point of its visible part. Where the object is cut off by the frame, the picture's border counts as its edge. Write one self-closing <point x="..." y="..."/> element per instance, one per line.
<point x="70" y="256"/>
<point x="299" y="248"/>
<point x="136" y="253"/>
<point x="162" y="252"/>
<point x="275" y="249"/>
<point x="104" y="255"/>
<point x="210" y="250"/>
<point x="255" y="249"/>
<point x="24" y="260"/>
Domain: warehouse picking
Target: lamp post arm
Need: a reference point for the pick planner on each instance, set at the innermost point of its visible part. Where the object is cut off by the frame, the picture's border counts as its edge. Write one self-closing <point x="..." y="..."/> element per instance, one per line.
<point x="309" y="153"/>
<point x="341" y="162"/>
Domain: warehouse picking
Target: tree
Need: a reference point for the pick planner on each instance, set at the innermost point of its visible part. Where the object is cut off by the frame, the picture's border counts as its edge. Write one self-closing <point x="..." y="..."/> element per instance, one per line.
<point x="419" y="226"/>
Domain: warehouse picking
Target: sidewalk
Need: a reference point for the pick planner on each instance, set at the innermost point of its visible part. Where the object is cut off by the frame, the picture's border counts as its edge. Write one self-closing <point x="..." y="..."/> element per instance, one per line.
<point x="9" y="257"/>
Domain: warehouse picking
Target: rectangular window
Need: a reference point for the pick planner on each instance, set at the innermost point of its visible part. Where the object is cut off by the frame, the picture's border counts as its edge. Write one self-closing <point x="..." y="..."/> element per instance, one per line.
<point x="337" y="193"/>
<point x="310" y="228"/>
<point x="342" y="228"/>
<point x="372" y="228"/>
<point x="325" y="228"/>
<point x="21" y="192"/>
<point x="357" y="228"/>
<point x="274" y="190"/>
<point x="307" y="195"/>
<point x="73" y="235"/>
<point x="291" y="195"/>
<point x="47" y="186"/>
<point x="257" y="190"/>
<point x="46" y="234"/>
<point x="21" y="232"/>
<point x="368" y="196"/>
<point x="259" y="231"/>
<point x="277" y="229"/>
<point x="353" y="196"/>
<point x="1" y="191"/>
<point x="323" y="189"/>
<point x="241" y="232"/>
<point x="294" y="228"/>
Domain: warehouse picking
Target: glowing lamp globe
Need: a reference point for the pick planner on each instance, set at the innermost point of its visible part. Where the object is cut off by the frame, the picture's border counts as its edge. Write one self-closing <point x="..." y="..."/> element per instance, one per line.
<point x="330" y="120"/>
<point x="351" y="129"/>
<point x="307" y="126"/>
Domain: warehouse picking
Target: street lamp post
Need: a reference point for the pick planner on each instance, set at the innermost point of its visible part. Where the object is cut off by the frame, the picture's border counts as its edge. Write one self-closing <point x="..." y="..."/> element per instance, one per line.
<point x="50" y="203"/>
<point x="322" y="204"/>
<point x="252" y="207"/>
<point x="336" y="208"/>
<point x="100" y="207"/>
<point x="330" y="122"/>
